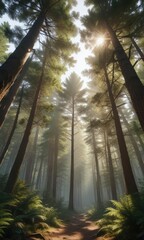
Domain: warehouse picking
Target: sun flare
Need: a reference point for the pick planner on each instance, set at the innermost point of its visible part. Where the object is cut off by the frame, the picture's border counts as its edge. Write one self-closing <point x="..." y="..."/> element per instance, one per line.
<point x="100" y="41"/>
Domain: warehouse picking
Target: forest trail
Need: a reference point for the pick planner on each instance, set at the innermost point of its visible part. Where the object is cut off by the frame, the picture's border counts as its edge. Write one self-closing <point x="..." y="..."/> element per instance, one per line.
<point x="78" y="228"/>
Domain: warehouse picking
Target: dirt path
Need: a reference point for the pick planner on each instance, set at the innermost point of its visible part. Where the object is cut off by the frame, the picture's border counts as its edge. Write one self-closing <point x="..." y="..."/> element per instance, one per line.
<point x="77" y="229"/>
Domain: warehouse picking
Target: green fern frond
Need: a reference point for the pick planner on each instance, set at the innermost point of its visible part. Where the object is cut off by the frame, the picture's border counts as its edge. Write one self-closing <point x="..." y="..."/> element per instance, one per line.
<point x="112" y="212"/>
<point x="5" y="220"/>
<point x="41" y="226"/>
<point x="20" y="225"/>
<point x="116" y="204"/>
<point x="125" y="219"/>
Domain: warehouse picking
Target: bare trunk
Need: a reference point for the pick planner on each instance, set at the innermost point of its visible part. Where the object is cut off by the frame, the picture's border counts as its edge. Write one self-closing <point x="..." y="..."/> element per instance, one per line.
<point x="49" y="190"/>
<point x="31" y="160"/>
<point x="55" y="166"/>
<point x="12" y="130"/>
<point x="134" y="144"/>
<point x="71" y="194"/>
<point x="132" y="81"/>
<point x="15" y="62"/>
<point x="137" y="48"/>
<point x="131" y="186"/>
<point x="98" y="180"/>
<point x="12" y="179"/>
<point x="111" y="172"/>
<point x="36" y="181"/>
<point x="7" y="100"/>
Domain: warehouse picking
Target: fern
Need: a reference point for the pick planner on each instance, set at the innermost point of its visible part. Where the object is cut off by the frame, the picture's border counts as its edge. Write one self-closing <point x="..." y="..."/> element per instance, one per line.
<point x="23" y="212"/>
<point x="6" y="217"/>
<point x="5" y="220"/>
<point x="52" y="217"/>
<point x="95" y="214"/>
<point x="125" y="219"/>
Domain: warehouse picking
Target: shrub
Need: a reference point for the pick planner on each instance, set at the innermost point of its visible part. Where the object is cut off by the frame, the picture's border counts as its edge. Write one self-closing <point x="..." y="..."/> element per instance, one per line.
<point x="52" y="217"/>
<point x="95" y="214"/>
<point x="22" y="212"/>
<point x="125" y="219"/>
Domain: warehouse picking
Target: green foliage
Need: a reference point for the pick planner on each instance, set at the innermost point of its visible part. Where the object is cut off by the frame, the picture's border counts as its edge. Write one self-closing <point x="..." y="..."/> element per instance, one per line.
<point x="13" y="34"/>
<point x="125" y="219"/>
<point x="95" y="214"/>
<point x="23" y="212"/>
<point x="3" y="45"/>
<point x="2" y="8"/>
<point x="72" y="88"/>
<point x="5" y="218"/>
<point x="52" y="217"/>
<point x="20" y="9"/>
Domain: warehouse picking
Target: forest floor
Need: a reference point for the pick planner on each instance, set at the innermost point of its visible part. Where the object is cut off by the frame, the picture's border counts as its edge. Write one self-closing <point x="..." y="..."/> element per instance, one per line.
<point x="78" y="228"/>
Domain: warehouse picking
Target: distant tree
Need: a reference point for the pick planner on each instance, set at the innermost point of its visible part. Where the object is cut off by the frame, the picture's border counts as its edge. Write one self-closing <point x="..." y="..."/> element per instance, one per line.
<point x="13" y="176"/>
<point x="98" y="177"/>
<point x="139" y="51"/>
<point x="30" y="160"/>
<point x="55" y="144"/>
<point x="12" y="130"/>
<point x="133" y="141"/>
<point x="128" y="174"/>
<point x="100" y="63"/>
<point x="111" y="170"/>
<point x="72" y="98"/>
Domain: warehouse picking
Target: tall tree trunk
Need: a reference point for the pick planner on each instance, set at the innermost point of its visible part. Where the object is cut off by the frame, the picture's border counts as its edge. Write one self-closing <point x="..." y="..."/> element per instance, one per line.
<point x="111" y="172"/>
<point x="134" y="144"/>
<point x="21" y="152"/>
<point x="140" y="140"/>
<point x="107" y="174"/>
<point x="49" y="190"/>
<point x="137" y="48"/>
<point x="36" y="181"/>
<point x="55" y="166"/>
<point x="30" y="162"/>
<point x="94" y="181"/>
<point x="99" y="200"/>
<point x="13" y="129"/>
<point x="132" y="81"/>
<point x="7" y="100"/>
<point x="131" y="186"/>
<point x="71" y="193"/>
<point x="15" y="62"/>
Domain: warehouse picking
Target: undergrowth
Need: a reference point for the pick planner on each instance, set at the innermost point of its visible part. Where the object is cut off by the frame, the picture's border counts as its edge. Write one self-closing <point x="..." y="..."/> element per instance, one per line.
<point x="23" y="213"/>
<point x="124" y="220"/>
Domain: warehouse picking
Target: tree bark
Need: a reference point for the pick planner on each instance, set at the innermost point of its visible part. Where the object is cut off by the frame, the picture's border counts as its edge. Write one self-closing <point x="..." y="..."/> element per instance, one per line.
<point x="111" y="172"/>
<point x="131" y="186"/>
<point x="15" y="62"/>
<point x="30" y="162"/>
<point x="71" y="193"/>
<point x="55" y="166"/>
<point x="7" y="100"/>
<point x="134" y="144"/>
<point x="12" y="179"/>
<point x="12" y="130"/>
<point x="98" y="180"/>
<point x="49" y="190"/>
<point x="132" y="81"/>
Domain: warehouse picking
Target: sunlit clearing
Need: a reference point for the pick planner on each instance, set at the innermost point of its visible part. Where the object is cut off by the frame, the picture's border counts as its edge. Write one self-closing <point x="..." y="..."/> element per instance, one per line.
<point x="100" y="41"/>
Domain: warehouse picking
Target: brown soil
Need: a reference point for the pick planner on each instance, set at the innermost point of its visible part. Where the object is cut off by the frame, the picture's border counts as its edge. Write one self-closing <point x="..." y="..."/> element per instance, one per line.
<point x="79" y="228"/>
